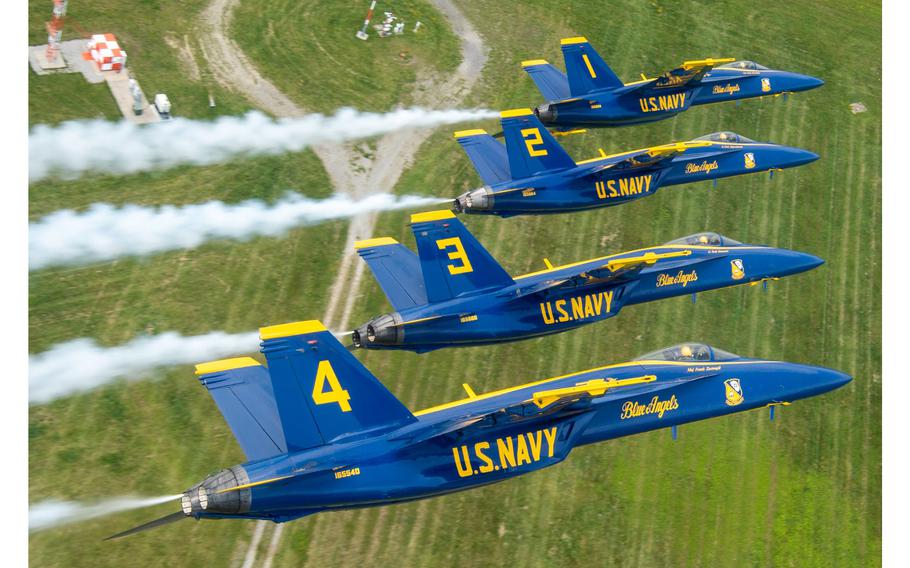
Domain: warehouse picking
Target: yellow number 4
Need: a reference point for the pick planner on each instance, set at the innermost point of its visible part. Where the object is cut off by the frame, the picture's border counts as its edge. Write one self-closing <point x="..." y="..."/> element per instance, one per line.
<point x="458" y="254"/>
<point x="324" y="373"/>
<point x="532" y="139"/>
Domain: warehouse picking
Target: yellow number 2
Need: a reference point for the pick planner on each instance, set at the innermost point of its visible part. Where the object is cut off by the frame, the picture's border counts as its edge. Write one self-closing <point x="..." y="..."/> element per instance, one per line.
<point x="335" y="394"/>
<point x="532" y="139"/>
<point x="458" y="254"/>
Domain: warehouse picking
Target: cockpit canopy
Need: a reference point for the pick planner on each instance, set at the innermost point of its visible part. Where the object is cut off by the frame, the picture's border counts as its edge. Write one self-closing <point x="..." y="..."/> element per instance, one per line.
<point x="744" y="64"/>
<point x="725" y="136"/>
<point x="689" y="352"/>
<point x="707" y="238"/>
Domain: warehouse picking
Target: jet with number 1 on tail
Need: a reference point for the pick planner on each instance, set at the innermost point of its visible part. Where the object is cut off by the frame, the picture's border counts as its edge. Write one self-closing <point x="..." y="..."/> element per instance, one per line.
<point x="321" y="433"/>
<point x="453" y="293"/>
<point x="589" y="94"/>
<point x="533" y="174"/>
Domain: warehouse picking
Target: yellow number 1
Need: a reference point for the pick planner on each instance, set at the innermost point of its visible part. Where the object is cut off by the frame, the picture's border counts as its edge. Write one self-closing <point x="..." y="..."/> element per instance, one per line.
<point x="458" y="254"/>
<point x="335" y="394"/>
<point x="532" y="139"/>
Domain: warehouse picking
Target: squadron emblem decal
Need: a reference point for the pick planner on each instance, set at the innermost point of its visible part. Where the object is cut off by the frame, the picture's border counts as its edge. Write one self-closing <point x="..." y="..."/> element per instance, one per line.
<point x="749" y="159"/>
<point x="733" y="392"/>
<point x="765" y="84"/>
<point x="737" y="271"/>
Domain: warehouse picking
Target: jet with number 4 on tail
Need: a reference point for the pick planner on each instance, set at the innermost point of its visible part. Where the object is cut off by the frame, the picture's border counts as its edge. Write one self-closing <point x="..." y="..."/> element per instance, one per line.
<point x="590" y="94"/>
<point x="453" y="293"/>
<point x="532" y="174"/>
<point x="321" y="433"/>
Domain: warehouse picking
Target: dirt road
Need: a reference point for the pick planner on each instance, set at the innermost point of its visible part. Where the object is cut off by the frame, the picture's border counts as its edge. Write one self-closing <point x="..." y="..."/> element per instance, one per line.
<point x="349" y="172"/>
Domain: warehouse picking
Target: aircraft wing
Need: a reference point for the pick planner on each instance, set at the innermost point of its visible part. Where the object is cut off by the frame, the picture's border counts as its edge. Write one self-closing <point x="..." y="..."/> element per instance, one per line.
<point x="658" y="154"/>
<point x="688" y="72"/>
<point x="610" y="270"/>
<point x="548" y="402"/>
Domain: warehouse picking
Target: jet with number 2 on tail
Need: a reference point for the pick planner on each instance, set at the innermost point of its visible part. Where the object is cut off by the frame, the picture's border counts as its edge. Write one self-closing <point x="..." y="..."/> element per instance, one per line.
<point x="534" y="175"/>
<point x="453" y="293"/>
<point x="590" y="94"/>
<point x="321" y="433"/>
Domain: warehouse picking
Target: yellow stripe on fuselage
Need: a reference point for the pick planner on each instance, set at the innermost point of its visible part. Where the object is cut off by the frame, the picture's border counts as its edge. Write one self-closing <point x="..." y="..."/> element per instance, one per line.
<point x="254" y="484"/>
<point x="604" y="258"/>
<point x="499" y="392"/>
<point x="640" y="150"/>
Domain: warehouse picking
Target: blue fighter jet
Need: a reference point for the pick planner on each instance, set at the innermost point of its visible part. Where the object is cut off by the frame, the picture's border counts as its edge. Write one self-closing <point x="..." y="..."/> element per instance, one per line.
<point x="455" y="294"/>
<point x="533" y="174"/>
<point x="321" y="433"/>
<point x="590" y="94"/>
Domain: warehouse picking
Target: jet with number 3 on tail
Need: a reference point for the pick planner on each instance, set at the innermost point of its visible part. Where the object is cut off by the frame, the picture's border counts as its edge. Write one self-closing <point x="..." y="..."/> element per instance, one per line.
<point x="453" y="293"/>
<point x="321" y="433"/>
<point x="589" y="94"/>
<point x="532" y="174"/>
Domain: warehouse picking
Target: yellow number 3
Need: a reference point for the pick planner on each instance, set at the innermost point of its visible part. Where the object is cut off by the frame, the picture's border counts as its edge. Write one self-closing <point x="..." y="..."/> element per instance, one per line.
<point x="335" y="394"/>
<point x="458" y="254"/>
<point x="532" y="139"/>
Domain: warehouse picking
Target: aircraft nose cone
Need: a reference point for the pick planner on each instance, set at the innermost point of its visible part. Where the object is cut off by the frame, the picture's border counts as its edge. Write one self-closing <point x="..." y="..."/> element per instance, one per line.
<point x="794" y="157"/>
<point x="805" y="82"/>
<point x="836" y="379"/>
<point x="802" y="261"/>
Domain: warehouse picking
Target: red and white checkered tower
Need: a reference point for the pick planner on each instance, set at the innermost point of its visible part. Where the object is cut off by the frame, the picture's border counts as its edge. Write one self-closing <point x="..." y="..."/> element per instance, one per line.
<point x="55" y="30"/>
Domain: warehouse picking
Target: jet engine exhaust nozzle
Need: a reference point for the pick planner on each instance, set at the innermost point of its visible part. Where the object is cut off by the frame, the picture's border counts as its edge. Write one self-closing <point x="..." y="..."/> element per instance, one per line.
<point x="217" y="494"/>
<point x="475" y="200"/>
<point x="381" y="330"/>
<point x="546" y="113"/>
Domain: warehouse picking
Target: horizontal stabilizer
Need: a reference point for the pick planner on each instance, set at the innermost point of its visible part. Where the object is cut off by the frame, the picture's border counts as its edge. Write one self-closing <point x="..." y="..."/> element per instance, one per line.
<point x="242" y="389"/>
<point x="488" y="156"/>
<point x="397" y="269"/>
<point x="551" y="82"/>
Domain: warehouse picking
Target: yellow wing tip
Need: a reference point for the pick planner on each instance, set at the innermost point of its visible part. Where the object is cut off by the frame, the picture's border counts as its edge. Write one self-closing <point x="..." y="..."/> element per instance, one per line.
<point x="573" y="40"/>
<point x="474" y="132"/>
<point x="516" y="112"/>
<point x="377" y="242"/>
<point x="531" y="62"/>
<point x="225" y="365"/>
<point x="289" y="329"/>
<point x="432" y="216"/>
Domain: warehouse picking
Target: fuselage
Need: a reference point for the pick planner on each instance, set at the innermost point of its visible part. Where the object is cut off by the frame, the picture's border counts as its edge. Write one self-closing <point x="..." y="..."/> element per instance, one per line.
<point x="607" y="181"/>
<point x="428" y="457"/>
<point x="510" y="313"/>
<point x="628" y="105"/>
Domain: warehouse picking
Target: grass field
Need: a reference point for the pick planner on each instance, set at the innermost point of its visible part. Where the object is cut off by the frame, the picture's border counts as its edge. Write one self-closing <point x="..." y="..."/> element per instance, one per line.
<point x="804" y="490"/>
<point x="307" y="50"/>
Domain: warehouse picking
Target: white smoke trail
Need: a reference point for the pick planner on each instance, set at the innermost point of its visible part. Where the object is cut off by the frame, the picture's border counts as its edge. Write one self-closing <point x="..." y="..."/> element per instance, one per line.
<point x="74" y="148"/>
<point x="105" y="232"/>
<point x="52" y="513"/>
<point x="81" y="365"/>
